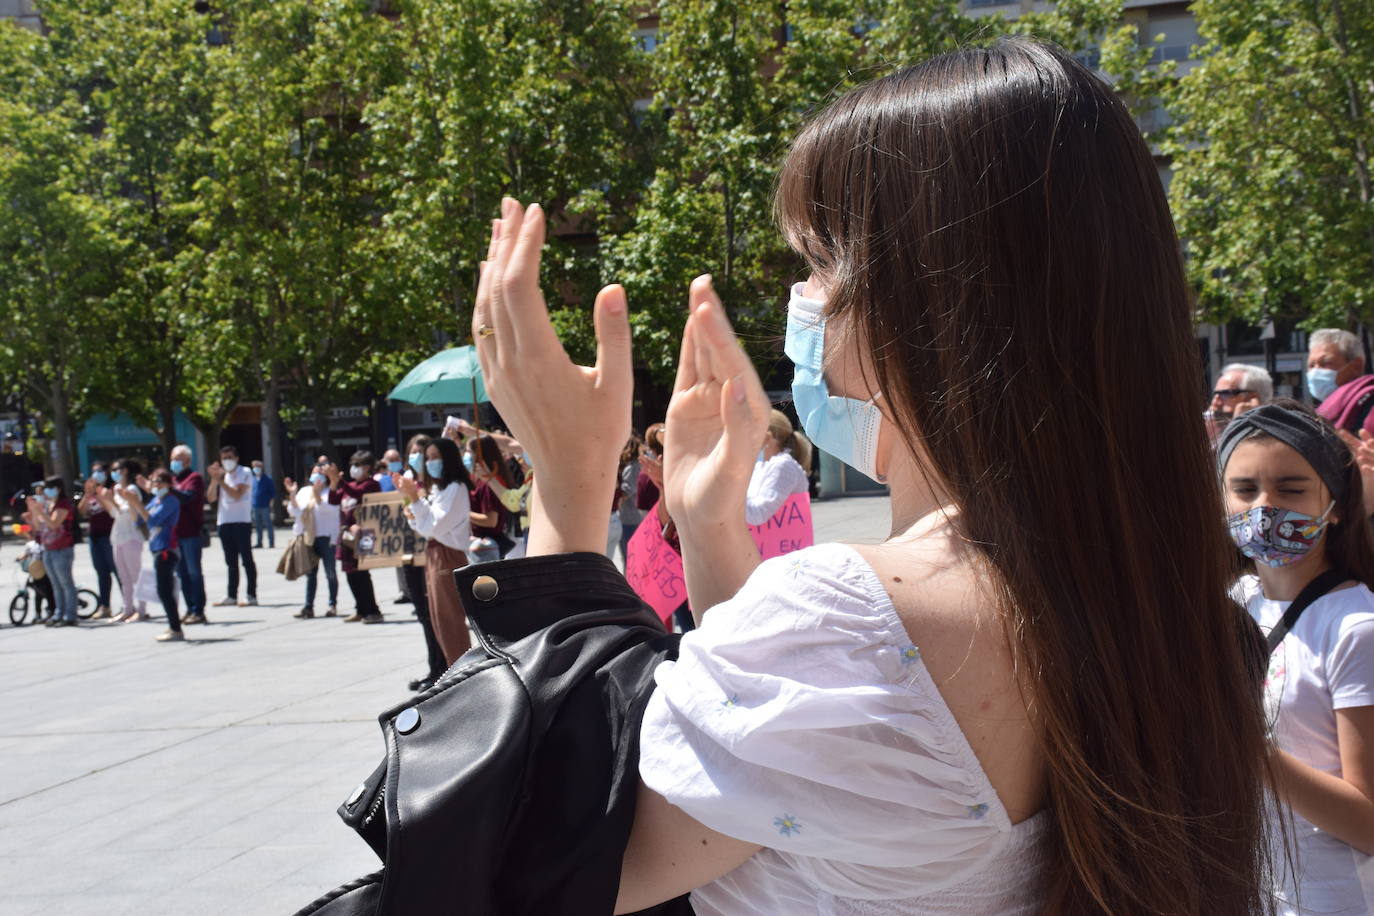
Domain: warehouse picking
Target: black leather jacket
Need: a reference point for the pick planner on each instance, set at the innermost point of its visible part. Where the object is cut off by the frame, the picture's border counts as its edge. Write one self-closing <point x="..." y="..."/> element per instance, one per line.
<point x="509" y="787"/>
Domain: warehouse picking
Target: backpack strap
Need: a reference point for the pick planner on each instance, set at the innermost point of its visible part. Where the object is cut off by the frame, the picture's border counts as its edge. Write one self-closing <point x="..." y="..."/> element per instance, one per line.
<point x="1310" y="593"/>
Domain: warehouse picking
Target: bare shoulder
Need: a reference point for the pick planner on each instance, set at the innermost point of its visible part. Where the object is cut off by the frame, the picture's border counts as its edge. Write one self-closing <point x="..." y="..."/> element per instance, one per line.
<point x="948" y="606"/>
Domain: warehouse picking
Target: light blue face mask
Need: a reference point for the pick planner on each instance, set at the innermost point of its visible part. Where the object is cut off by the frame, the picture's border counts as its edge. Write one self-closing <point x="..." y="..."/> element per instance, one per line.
<point x="317" y="478"/>
<point x="177" y="465"/>
<point x="395" y="467"/>
<point x="467" y="461"/>
<point x="50" y="493"/>
<point x="1321" y="383"/>
<point x="417" y="461"/>
<point x="844" y="427"/>
<point x="434" y="467"/>
<point x="100" y="476"/>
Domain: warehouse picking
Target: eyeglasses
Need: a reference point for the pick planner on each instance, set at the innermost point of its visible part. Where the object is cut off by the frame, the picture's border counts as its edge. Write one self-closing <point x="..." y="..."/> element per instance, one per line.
<point x="1232" y="392"/>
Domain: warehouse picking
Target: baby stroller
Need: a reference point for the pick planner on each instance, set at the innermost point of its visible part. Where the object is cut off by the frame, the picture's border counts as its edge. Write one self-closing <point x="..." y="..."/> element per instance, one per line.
<point x="36" y="593"/>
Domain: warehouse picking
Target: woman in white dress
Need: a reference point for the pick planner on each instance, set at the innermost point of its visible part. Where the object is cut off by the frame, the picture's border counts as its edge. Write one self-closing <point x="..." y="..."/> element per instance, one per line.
<point x="126" y="538"/>
<point x="779" y="471"/>
<point x="1035" y="696"/>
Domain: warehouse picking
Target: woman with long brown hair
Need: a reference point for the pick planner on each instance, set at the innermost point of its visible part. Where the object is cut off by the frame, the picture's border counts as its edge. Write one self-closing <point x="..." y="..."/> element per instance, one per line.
<point x="1033" y="697"/>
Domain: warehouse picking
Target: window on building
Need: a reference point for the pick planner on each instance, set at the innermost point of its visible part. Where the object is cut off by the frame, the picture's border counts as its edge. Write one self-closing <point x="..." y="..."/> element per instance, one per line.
<point x="1180" y="38"/>
<point x="648" y="39"/>
<point x="977" y="3"/>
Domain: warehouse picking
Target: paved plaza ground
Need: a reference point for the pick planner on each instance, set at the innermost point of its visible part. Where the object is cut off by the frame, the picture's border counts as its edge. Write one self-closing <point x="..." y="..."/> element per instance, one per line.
<point x="138" y="777"/>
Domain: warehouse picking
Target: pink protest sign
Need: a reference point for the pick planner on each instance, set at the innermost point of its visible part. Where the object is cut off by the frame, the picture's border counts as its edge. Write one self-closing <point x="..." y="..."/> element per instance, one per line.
<point x="787" y="530"/>
<point x="653" y="568"/>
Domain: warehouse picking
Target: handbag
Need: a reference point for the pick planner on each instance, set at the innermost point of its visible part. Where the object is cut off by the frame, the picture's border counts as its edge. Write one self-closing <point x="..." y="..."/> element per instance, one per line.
<point x="297" y="560"/>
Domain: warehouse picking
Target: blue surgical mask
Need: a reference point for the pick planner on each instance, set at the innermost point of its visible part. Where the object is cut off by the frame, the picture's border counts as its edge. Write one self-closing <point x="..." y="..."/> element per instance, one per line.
<point x="100" y="476"/>
<point x="467" y="461"/>
<point x="257" y="472"/>
<point x="177" y="465"/>
<point x="434" y="467"/>
<point x="50" y="492"/>
<point x="1321" y="383"/>
<point x="844" y="427"/>
<point x="395" y="467"/>
<point x="317" y="478"/>
<point x="761" y="457"/>
<point x="160" y="492"/>
<point x="416" y="461"/>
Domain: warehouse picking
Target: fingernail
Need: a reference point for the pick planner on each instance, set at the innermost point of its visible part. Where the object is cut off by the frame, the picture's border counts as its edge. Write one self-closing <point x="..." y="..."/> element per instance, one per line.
<point x="737" y="388"/>
<point x="532" y="208"/>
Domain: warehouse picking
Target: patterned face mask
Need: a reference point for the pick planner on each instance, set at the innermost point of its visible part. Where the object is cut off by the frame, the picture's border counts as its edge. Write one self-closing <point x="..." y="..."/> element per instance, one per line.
<point x="1274" y="536"/>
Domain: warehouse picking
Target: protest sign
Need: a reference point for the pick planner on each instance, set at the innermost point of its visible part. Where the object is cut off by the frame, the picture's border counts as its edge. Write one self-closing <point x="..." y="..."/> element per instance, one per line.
<point x="653" y="568"/>
<point x="385" y="538"/>
<point x="787" y="530"/>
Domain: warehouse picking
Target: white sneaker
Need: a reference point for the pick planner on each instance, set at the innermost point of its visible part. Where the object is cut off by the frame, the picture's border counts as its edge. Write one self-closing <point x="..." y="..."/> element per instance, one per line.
<point x="171" y="636"/>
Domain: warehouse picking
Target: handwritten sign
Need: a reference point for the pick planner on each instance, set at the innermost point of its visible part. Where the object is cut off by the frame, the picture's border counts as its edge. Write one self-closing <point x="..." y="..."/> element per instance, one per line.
<point x="654" y="569"/>
<point x="385" y="537"/>
<point x="787" y="530"/>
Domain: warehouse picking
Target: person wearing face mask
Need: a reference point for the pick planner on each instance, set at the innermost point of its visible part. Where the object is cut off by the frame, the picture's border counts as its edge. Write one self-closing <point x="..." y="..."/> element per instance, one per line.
<point x="161" y="515"/>
<point x="779" y="469"/>
<point x="1034" y="694"/>
<point x="189" y="487"/>
<point x="264" y="491"/>
<point x="391" y="464"/>
<point x="412" y="578"/>
<point x="232" y="485"/>
<point x="1336" y="378"/>
<point x="99" y="523"/>
<point x="54" y="517"/>
<point x="346" y="494"/>
<point x="314" y="517"/>
<point x="484" y="462"/>
<point x="1295" y="500"/>
<point x="126" y="540"/>
<point x="441" y="514"/>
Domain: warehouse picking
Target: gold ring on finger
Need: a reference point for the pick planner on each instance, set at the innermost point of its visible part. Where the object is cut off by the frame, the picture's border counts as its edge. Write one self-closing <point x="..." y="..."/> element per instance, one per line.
<point x="485" y="330"/>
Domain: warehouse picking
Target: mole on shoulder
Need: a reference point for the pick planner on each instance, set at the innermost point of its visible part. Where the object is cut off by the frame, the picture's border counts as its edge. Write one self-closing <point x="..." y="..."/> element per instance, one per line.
<point x="703" y="842"/>
<point x="896" y="578"/>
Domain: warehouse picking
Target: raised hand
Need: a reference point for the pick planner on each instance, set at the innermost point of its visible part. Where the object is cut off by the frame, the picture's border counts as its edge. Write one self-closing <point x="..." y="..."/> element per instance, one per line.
<point x="216" y="471"/>
<point x="716" y="420"/>
<point x="406" y="486"/>
<point x="1363" y="450"/>
<point x="578" y="414"/>
<point x="290" y="486"/>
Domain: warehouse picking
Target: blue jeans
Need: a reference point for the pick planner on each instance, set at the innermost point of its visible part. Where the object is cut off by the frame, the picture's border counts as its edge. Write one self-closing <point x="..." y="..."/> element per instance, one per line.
<point x="262" y="521"/>
<point x="102" y="558"/>
<point x="58" y="563"/>
<point x="192" y="579"/>
<point x="325" y="552"/>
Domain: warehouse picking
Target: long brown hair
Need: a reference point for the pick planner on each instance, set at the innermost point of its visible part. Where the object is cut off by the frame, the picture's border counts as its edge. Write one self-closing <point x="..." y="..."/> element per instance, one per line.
<point x="992" y="226"/>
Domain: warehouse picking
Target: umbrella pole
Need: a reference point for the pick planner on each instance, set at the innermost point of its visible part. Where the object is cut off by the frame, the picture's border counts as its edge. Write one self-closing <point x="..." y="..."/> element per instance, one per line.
<point x="476" y="417"/>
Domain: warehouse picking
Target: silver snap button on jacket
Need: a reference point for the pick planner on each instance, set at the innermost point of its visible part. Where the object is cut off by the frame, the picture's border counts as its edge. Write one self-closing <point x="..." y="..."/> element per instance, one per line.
<point x="408" y="721"/>
<point x="484" y="588"/>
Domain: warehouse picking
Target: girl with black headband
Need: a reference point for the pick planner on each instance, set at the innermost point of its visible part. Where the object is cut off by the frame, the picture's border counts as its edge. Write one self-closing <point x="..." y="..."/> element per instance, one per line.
<point x="1296" y="509"/>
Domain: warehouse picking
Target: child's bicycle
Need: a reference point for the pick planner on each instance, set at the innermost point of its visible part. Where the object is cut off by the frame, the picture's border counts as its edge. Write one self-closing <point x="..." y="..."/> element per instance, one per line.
<point x="36" y="594"/>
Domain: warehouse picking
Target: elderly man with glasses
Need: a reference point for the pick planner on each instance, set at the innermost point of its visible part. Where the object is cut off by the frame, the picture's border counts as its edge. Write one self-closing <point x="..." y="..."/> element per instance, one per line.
<point x="1239" y="388"/>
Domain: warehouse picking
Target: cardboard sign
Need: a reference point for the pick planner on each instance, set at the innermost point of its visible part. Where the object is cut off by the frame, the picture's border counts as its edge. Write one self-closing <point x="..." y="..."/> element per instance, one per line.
<point x="385" y="537"/>
<point x="653" y="568"/>
<point x="789" y="528"/>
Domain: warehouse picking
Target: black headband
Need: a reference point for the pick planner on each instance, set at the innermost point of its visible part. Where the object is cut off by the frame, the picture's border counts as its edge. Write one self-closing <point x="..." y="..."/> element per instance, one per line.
<point x="1307" y="435"/>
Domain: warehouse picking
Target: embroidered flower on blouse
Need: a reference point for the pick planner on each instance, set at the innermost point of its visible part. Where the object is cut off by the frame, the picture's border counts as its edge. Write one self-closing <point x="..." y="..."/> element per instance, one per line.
<point x="795" y="566"/>
<point x="910" y="654"/>
<point x="977" y="812"/>
<point x="787" y="825"/>
<point x="731" y="701"/>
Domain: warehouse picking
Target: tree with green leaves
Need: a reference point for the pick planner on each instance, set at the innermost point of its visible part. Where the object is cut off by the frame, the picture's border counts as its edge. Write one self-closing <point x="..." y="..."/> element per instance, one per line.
<point x="58" y="254"/>
<point x="1273" y="178"/>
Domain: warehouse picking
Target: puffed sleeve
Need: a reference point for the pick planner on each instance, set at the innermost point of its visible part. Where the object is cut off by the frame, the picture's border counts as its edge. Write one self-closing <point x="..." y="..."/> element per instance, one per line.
<point x="799" y="716"/>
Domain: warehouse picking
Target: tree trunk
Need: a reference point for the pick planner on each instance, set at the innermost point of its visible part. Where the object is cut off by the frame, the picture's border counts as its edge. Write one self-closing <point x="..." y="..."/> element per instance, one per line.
<point x="326" y="437"/>
<point x="62" y="463"/>
<point x="167" y="414"/>
<point x="271" y="410"/>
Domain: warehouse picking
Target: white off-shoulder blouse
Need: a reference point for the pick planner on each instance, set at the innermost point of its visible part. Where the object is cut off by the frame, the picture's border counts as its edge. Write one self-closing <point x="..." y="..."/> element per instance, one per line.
<point x="800" y="716"/>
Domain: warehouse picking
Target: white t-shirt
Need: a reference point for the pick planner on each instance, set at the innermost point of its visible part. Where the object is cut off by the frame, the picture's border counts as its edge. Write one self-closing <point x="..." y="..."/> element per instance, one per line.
<point x="444" y="515"/>
<point x="125" y="530"/>
<point x="233" y="510"/>
<point x="772" y="482"/>
<point x="325" y="516"/>
<point x="1325" y="663"/>
<point x="800" y="716"/>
